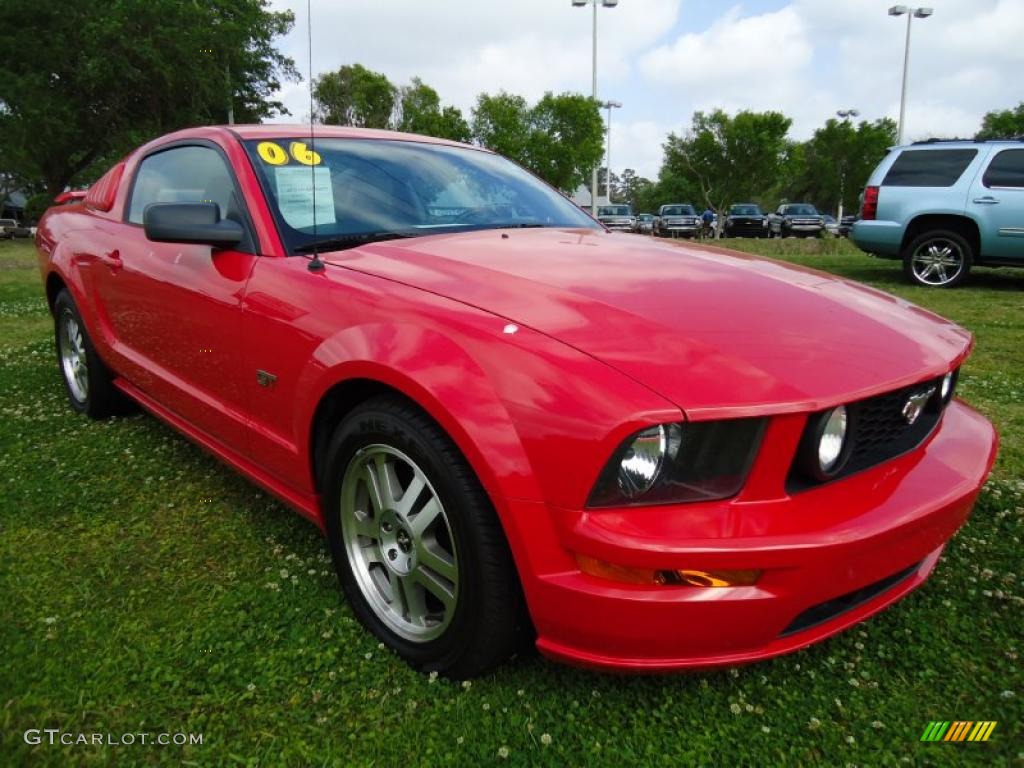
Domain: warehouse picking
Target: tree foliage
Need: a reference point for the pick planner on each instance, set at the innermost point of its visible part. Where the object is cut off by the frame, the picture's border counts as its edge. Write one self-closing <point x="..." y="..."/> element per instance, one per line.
<point x="85" y="82"/>
<point x="726" y="159"/>
<point x="419" y="111"/>
<point x="1003" y="124"/>
<point x="354" y="95"/>
<point x="835" y="163"/>
<point x="560" y="138"/>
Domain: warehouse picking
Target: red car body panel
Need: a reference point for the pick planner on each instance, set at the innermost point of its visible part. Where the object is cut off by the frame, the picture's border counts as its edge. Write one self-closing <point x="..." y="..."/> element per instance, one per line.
<point x="612" y="333"/>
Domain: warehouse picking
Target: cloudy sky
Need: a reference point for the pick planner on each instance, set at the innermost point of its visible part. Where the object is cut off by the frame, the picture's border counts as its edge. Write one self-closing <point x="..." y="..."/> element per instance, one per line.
<point x="663" y="59"/>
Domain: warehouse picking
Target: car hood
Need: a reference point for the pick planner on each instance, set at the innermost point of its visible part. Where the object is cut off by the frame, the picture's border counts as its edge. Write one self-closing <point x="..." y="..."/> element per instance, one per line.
<point x="716" y="332"/>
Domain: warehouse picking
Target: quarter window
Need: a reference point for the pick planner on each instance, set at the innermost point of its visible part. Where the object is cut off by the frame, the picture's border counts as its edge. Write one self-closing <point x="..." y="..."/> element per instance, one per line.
<point x="929" y="167"/>
<point x="1006" y="169"/>
<point x="183" y="175"/>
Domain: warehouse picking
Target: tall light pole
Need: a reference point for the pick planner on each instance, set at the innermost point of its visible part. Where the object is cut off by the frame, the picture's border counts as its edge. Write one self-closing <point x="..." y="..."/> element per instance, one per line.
<point x="609" y="105"/>
<point x="593" y="89"/>
<point x="911" y="14"/>
<point x="845" y="114"/>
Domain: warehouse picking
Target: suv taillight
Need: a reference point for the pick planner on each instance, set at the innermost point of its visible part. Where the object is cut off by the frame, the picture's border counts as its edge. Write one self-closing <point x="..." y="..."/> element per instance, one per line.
<point x="870" y="208"/>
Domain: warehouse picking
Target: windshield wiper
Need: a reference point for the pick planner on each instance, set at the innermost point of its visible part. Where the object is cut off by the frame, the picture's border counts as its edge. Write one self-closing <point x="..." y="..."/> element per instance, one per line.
<point x="352" y="241"/>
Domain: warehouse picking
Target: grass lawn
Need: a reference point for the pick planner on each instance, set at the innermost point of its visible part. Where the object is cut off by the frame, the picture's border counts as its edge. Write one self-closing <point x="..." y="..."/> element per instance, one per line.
<point x="146" y="588"/>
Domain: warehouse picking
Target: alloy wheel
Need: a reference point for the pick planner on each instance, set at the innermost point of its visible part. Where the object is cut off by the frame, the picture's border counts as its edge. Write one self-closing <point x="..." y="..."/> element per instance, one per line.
<point x="937" y="261"/>
<point x="73" y="360"/>
<point x="399" y="543"/>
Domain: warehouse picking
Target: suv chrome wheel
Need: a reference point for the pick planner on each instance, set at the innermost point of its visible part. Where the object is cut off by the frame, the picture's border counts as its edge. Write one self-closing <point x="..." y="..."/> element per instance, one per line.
<point x="399" y="543"/>
<point x="937" y="261"/>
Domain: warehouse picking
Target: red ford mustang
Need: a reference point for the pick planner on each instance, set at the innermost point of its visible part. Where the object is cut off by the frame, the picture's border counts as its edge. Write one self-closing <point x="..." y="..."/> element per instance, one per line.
<point x="507" y="420"/>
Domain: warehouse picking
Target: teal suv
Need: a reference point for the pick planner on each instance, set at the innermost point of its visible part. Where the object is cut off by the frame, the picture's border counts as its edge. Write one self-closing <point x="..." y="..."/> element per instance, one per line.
<point x="943" y="207"/>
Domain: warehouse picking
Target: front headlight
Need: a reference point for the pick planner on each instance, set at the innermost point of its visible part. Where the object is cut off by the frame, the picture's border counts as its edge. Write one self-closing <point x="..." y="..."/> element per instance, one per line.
<point x="672" y="463"/>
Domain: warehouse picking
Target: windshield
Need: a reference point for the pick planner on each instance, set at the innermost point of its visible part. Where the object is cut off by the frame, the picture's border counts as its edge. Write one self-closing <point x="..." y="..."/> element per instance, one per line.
<point x="801" y="210"/>
<point x="678" y="210"/>
<point x="614" y="210"/>
<point x="365" y="188"/>
<point x="744" y="210"/>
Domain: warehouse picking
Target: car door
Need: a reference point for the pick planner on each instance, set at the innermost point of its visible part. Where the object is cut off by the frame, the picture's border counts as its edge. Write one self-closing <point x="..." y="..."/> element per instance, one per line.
<point x="996" y="201"/>
<point x="175" y="308"/>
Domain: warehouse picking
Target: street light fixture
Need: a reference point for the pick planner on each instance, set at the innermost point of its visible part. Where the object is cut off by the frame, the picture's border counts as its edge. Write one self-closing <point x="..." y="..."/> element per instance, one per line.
<point x="911" y="14"/>
<point x="845" y="114"/>
<point x="609" y="105"/>
<point x="606" y="4"/>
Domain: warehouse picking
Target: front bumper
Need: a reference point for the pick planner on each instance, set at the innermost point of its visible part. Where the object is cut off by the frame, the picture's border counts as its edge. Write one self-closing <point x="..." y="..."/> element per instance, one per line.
<point x="844" y="541"/>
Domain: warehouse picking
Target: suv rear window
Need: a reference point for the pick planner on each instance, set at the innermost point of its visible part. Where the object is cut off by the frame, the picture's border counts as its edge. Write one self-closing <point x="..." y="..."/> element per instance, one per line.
<point x="928" y="167"/>
<point x="1006" y="169"/>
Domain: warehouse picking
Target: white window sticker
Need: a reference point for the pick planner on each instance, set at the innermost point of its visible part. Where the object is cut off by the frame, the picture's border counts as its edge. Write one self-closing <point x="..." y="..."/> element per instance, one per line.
<point x="295" y="195"/>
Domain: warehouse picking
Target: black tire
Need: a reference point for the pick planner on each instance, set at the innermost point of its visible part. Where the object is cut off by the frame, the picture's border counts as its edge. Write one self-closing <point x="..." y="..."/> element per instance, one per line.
<point x="99" y="398"/>
<point x="489" y="620"/>
<point x="948" y="245"/>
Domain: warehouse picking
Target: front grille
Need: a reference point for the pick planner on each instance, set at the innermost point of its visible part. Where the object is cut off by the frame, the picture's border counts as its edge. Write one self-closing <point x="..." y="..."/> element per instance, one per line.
<point x="830" y="609"/>
<point x="879" y="431"/>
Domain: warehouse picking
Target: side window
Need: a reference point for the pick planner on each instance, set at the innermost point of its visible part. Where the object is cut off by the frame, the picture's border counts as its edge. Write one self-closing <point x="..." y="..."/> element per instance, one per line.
<point x="183" y="175"/>
<point x="928" y="167"/>
<point x="1006" y="170"/>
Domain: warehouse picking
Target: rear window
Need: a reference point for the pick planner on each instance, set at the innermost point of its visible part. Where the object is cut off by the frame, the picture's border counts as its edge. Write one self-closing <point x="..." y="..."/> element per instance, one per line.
<point x="928" y="167"/>
<point x="1006" y="169"/>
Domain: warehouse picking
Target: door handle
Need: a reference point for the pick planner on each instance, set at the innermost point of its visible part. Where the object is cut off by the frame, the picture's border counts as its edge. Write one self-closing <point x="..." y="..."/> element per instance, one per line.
<point x="986" y="200"/>
<point x="112" y="259"/>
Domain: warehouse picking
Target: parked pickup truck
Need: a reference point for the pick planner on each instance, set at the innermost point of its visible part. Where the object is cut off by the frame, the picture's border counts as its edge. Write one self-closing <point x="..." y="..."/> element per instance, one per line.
<point x="795" y="220"/>
<point x="618" y="218"/>
<point x="677" y="219"/>
<point x="746" y="220"/>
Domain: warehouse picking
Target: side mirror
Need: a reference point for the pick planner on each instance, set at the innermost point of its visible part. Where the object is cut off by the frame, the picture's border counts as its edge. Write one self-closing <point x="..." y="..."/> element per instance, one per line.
<point x="198" y="223"/>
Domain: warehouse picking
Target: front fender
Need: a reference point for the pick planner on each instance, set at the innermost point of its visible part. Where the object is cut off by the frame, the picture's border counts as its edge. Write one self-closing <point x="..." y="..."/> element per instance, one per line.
<point x="435" y="372"/>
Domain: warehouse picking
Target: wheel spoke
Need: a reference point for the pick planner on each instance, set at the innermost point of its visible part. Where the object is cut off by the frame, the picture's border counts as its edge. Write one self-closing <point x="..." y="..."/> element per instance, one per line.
<point x="373" y="490"/>
<point x="414" y="600"/>
<point x="365" y="525"/>
<point x="432" y="557"/>
<point x="424" y="518"/>
<point x="435" y="586"/>
<point x="409" y="496"/>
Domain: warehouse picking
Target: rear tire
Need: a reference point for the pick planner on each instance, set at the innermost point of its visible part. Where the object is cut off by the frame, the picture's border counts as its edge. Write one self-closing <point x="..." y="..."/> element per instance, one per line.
<point x="87" y="380"/>
<point x="430" y="572"/>
<point x="939" y="258"/>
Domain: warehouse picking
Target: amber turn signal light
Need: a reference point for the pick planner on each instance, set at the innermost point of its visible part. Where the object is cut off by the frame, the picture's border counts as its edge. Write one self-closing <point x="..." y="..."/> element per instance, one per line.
<point x="650" y="577"/>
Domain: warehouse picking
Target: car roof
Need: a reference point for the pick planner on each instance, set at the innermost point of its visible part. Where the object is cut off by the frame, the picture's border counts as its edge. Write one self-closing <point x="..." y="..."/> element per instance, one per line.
<point x="301" y="130"/>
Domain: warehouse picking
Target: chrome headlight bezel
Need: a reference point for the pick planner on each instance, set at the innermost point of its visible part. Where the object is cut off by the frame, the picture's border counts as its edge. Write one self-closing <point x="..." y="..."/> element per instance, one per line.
<point x="679" y="463"/>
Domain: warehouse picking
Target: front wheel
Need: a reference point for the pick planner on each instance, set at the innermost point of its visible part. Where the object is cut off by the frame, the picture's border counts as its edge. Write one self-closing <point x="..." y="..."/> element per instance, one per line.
<point x="417" y="545"/>
<point x="938" y="259"/>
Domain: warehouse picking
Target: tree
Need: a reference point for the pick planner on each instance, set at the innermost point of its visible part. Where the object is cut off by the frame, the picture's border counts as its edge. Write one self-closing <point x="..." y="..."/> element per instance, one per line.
<point x="1003" y="124"/>
<point x="85" y="82"/>
<point x="419" y="111"/>
<point x="631" y="189"/>
<point x="354" y="95"/>
<point x="835" y="163"/>
<point x="565" y="140"/>
<point x="502" y="123"/>
<point x="730" y="159"/>
<point x="559" y="138"/>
